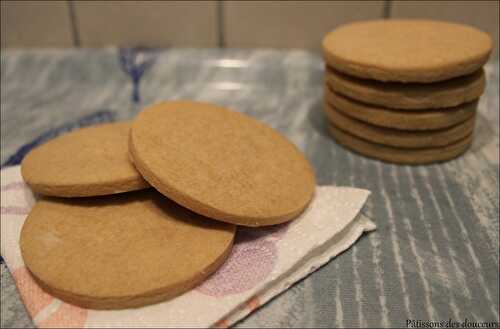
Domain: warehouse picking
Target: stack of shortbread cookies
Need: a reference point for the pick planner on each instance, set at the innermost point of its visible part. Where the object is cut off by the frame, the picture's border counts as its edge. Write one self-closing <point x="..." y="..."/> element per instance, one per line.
<point x="404" y="91"/>
<point x="102" y="238"/>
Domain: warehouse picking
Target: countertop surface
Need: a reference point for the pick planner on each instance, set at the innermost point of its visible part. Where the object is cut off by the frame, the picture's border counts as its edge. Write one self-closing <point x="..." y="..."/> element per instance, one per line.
<point x="435" y="253"/>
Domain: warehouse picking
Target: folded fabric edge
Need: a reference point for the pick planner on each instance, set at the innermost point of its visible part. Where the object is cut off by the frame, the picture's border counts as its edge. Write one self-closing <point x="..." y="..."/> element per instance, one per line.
<point x="309" y="264"/>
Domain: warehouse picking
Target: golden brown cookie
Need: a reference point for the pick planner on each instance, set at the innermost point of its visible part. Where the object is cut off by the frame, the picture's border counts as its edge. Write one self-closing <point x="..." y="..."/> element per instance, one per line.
<point x="409" y="96"/>
<point x="404" y="120"/>
<point x="400" y="155"/>
<point x="220" y="163"/>
<point x="121" y="251"/>
<point x="406" y="50"/>
<point x="399" y="138"/>
<point x="88" y="162"/>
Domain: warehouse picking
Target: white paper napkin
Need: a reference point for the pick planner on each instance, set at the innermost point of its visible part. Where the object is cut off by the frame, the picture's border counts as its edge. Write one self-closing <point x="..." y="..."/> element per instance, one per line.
<point x="264" y="262"/>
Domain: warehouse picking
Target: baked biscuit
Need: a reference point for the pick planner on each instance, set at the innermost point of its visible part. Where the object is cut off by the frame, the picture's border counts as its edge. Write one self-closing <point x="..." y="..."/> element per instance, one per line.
<point x="400" y="155"/>
<point x="220" y="163"/>
<point x="409" y="96"/>
<point x="87" y="162"/>
<point x="121" y="251"/>
<point x="406" y="50"/>
<point x="400" y="138"/>
<point x="404" y="120"/>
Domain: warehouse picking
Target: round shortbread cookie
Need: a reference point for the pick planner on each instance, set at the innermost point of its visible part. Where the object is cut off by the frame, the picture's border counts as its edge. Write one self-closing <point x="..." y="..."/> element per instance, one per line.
<point x="400" y="138"/>
<point x="221" y="164"/>
<point x="400" y="155"/>
<point x="406" y="50"/>
<point x="409" y="96"/>
<point x="121" y="251"/>
<point x="88" y="162"/>
<point x="404" y="120"/>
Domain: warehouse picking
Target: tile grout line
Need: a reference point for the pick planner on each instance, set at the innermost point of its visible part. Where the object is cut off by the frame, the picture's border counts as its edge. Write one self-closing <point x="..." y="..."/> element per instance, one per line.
<point x="221" y="42"/>
<point x="387" y="10"/>
<point x="74" y="24"/>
